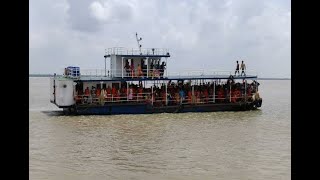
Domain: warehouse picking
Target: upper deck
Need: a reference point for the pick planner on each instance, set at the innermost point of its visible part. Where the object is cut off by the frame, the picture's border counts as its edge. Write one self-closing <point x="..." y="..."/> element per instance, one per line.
<point x="99" y="75"/>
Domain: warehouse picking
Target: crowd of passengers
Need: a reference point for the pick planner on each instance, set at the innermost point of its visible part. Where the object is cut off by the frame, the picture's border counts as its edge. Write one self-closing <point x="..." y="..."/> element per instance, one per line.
<point x="155" y="70"/>
<point x="177" y="93"/>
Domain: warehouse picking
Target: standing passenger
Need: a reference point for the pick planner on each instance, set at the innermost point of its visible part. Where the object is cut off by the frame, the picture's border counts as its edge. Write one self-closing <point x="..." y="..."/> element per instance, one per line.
<point x="237" y="69"/>
<point x="162" y="68"/>
<point x="243" y="67"/>
<point x="140" y="74"/>
<point x="132" y="69"/>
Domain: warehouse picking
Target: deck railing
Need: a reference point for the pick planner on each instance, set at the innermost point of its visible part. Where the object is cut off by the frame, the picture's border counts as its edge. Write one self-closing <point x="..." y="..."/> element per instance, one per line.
<point x="156" y="74"/>
<point x="148" y="98"/>
<point x="132" y="51"/>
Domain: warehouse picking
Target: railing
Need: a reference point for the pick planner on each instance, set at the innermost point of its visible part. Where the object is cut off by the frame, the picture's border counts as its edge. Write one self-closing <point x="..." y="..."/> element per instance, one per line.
<point x="199" y="73"/>
<point x="149" y="98"/>
<point x="156" y="73"/>
<point x="144" y="51"/>
<point x="153" y="73"/>
<point x="94" y="72"/>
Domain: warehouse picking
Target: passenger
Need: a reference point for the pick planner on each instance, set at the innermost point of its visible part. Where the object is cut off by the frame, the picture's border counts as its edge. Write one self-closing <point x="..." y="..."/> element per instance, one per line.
<point x="156" y="73"/>
<point x="221" y="95"/>
<point x="127" y="68"/>
<point x="206" y="96"/>
<point x="86" y="94"/>
<point x="158" y="65"/>
<point x="98" y="92"/>
<point x="243" y="68"/>
<point x="77" y="97"/>
<point x="197" y="94"/>
<point x="101" y="97"/>
<point x="134" y="92"/>
<point x="87" y="91"/>
<point x="151" y="68"/>
<point x="109" y="91"/>
<point x="182" y="96"/>
<point x="140" y="73"/>
<point x="226" y="95"/>
<point x="114" y="93"/>
<point x="130" y="94"/>
<point x="233" y="96"/>
<point x="237" y="69"/>
<point x="144" y="69"/>
<point x="249" y="93"/>
<point x="140" y="93"/>
<point x="93" y="93"/>
<point x="132" y="69"/>
<point x="255" y="85"/>
<point x="177" y="98"/>
<point x="163" y="96"/>
<point x="169" y="99"/>
<point x="257" y="96"/>
<point x="105" y="94"/>
<point x="162" y="68"/>
<point x="190" y="96"/>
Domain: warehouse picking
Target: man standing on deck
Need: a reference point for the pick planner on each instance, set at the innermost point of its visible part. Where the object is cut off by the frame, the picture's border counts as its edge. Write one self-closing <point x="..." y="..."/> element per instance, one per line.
<point x="243" y="67"/>
<point x="237" y="69"/>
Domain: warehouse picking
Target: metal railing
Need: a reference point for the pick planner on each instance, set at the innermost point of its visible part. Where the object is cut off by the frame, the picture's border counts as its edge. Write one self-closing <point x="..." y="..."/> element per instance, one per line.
<point x="149" y="98"/>
<point x="186" y="73"/>
<point x="132" y="51"/>
<point x="156" y="73"/>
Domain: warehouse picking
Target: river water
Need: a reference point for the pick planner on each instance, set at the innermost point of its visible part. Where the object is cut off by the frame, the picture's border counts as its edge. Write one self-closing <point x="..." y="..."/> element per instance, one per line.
<point x="218" y="145"/>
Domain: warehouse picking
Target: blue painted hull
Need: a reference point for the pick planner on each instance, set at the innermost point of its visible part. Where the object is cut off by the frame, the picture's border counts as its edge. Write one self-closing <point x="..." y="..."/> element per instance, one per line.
<point x="113" y="109"/>
<point x="109" y="109"/>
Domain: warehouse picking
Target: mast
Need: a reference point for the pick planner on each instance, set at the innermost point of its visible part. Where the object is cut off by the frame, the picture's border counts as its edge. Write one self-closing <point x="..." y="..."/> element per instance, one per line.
<point x="139" y="45"/>
<point x="105" y="66"/>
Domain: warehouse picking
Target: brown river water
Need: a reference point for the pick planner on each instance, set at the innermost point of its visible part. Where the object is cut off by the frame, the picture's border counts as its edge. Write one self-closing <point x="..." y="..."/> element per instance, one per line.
<point x="218" y="145"/>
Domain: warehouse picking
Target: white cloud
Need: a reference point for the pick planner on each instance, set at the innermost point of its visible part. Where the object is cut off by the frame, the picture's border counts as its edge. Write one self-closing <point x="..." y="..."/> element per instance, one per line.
<point x="100" y="12"/>
<point x="112" y="11"/>
<point x="205" y="33"/>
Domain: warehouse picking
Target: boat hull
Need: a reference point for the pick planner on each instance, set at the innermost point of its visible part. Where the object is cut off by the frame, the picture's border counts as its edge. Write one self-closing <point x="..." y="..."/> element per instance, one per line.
<point x="144" y="108"/>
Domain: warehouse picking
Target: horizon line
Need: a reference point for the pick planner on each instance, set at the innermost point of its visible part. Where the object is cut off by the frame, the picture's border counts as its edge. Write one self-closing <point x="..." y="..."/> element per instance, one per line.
<point x="261" y="78"/>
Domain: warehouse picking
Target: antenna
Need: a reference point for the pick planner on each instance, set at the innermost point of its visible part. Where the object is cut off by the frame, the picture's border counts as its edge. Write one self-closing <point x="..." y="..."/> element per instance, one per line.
<point x="139" y="39"/>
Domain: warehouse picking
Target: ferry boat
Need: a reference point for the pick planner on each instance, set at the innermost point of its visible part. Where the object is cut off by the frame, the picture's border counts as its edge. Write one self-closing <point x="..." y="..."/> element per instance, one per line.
<point x="138" y="82"/>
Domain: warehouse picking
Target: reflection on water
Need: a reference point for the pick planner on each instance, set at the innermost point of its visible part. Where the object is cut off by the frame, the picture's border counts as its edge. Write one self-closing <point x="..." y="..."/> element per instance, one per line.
<point x="217" y="145"/>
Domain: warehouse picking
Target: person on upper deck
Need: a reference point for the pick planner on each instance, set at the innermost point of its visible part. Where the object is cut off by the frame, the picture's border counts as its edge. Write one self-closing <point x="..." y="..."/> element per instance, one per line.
<point x="140" y="73"/>
<point x="132" y="69"/>
<point x="127" y="68"/>
<point x="237" y="69"/>
<point x="162" y="68"/>
<point x="243" y="68"/>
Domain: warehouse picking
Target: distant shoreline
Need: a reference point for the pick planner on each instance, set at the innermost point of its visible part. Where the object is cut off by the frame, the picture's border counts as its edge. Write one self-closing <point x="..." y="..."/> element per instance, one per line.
<point x="51" y="75"/>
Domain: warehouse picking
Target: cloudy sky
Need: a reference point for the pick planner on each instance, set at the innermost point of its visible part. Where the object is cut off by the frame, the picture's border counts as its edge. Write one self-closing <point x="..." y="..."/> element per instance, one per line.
<point x="201" y="34"/>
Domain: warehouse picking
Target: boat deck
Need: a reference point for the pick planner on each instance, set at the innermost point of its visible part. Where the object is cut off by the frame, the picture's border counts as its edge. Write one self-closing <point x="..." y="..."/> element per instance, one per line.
<point x="103" y="78"/>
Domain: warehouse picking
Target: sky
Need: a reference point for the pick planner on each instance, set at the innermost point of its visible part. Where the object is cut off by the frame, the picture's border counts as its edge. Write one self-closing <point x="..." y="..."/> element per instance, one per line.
<point x="200" y="34"/>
